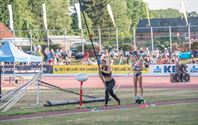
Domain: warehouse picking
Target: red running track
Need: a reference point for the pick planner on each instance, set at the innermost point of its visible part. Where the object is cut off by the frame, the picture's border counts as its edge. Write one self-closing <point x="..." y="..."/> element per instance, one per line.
<point x="95" y="82"/>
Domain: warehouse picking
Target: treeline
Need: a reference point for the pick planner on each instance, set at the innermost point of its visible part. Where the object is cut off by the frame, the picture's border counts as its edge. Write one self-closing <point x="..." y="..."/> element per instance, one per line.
<point x="27" y="15"/>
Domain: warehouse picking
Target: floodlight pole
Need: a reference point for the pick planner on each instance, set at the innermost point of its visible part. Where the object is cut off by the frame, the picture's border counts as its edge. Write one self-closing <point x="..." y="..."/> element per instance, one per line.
<point x="134" y="39"/>
<point x="65" y="33"/>
<point x="189" y="37"/>
<point x="117" y="39"/>
<point x="170" y="38"/>
<point x="47" y="33"/>
<point x="152" y="43"/>
<point x="100" y="44"/>
<point x="31" y="40"/>
<point x="82" y="38"/>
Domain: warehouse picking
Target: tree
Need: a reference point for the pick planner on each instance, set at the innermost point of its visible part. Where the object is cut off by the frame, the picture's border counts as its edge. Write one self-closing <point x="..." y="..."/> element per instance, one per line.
<point x="22" y="17"/>
<point x="165" y="13"/>
<point x="4" y="15"/>
<point x="74" y="17"/>
<point x="58" y="14"/>
<point x="58" y="19"/>
<point x="193" y="14"/>
<point x="97" y="11"/>
<point x="136" y="11"/>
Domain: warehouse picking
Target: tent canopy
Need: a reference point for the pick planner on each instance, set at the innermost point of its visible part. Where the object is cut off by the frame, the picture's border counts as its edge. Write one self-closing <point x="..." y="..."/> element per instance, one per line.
<point x="10" y="53"/>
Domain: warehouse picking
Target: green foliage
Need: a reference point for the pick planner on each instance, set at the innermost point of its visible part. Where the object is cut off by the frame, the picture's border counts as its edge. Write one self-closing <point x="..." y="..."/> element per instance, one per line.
<point x="126" y="47"/>
<point x="127" y="13"/>
<point x="4" y="16"/>
<point x="97" y="11"/>
<point x="167" y="13"/>
<point x="195" y="45"/>
<point x="58" y="15"/>
<point x="193" y="14"/>
<point x="136" y="11"/>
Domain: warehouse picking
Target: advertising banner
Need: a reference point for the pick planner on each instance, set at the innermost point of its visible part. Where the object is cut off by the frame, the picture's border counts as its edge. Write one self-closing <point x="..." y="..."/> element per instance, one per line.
<point x="90" y="69"/>
<point x="167" y="69"/>
<point x="26" y="69"/>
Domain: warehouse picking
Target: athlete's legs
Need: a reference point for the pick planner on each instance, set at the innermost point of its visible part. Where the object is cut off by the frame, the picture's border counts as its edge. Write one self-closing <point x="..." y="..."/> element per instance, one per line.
<point x="140" y="84"/>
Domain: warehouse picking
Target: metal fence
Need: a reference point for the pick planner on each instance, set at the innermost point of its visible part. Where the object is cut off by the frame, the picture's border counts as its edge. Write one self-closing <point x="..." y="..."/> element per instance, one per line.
<point x="151" y="37"/>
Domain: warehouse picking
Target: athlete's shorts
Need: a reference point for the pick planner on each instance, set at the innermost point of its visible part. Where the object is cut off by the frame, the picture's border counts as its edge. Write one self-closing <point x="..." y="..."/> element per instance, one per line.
<point x="138" y="74"/>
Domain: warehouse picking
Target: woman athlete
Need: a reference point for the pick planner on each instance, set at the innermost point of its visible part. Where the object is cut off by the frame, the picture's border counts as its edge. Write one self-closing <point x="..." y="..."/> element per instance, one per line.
<point x="137" y="67"/>
<point x="109" y="82"/>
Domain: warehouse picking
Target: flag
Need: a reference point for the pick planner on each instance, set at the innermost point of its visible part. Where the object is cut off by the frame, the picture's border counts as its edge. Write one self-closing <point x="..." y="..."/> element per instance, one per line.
<point x="44" y="16"/>
<point x="110" y="13"/>
<point x="11" y="17"/>
<point x="147" y="13"/>
<point x="77" y="6"/>
<point x="183" y="10"/>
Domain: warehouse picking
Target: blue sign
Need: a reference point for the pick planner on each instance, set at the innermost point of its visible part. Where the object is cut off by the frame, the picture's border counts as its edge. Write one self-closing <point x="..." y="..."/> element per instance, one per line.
<point x="157" y="70"/>
<point x="169" y="69"/>
<point x="194" y="69"/>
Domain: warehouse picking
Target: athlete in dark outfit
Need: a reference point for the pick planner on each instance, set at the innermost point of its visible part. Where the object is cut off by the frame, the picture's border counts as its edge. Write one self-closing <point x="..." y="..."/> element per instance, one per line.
<point x="106" y="76"/>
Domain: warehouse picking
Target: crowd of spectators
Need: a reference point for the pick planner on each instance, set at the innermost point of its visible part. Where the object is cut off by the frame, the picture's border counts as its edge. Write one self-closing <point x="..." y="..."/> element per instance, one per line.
<point x="63" y="57"/>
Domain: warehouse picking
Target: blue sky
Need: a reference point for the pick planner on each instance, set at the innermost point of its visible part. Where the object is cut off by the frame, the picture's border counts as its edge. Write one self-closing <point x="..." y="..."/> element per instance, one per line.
<point x="191" y="5"/>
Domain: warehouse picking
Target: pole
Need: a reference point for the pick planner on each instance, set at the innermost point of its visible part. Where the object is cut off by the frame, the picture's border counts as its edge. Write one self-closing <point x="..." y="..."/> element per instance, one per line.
<point x="189" y="37"/>
<point x="65" y="32"/>
<point x="14" y="72"/>
<point x="83" y="44"/>
<point x="47" y="33"/>
<point x="90" y="38"/>
<point x="89" y="33"/>
<point x="81" y="93"/>
<point x="37" y="93"/>
<point x="31" y="40"/>
<point x="170" y="38"/>
<point x="152" y="38"/>
<point x="134" y="39"/>
<point x="99" y="33"/>
<point x="117" y="39"/>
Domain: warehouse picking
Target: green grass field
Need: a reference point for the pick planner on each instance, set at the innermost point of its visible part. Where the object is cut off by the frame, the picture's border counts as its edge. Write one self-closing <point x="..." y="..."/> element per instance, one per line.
<point x="181" y="114"/>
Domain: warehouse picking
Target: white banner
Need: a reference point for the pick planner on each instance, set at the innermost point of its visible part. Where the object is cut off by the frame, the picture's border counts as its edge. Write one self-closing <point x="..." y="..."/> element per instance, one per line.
<point x="77" y="6"/>
<point x="167" y="69"/>
<point x="110" y="13"/>
<point x="44" y="16"/>
<point x="11" y="25"/>
<point x="183" y="10"/>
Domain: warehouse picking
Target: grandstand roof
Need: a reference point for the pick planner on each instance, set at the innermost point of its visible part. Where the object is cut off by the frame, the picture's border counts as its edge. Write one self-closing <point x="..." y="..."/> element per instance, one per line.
<point x="162" y="24"/>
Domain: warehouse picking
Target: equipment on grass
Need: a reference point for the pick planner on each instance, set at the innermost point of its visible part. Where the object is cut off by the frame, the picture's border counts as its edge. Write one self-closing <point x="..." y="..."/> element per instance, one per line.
<point x="140" y="101"/>
<point x="70" y="102"/>
<point x="45" y="84"/>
